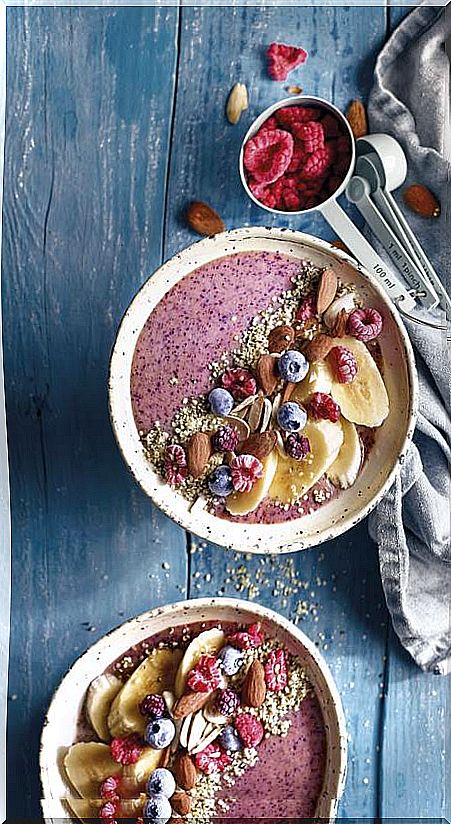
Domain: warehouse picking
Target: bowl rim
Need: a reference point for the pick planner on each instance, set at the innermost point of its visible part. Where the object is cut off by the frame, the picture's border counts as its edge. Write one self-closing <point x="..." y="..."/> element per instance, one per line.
<point x="329" y="796"/>
<point x="176" y="509"/>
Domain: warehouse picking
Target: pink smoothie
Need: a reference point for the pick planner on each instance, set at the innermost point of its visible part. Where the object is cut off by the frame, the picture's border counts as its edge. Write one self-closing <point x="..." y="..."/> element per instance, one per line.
<point x="195" y="323"/>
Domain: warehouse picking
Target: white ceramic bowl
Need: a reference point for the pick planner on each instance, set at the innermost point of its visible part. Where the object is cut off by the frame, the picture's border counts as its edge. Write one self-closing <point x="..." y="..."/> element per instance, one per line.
<point x="61" y="721"/>
<point x="351" y="505"/>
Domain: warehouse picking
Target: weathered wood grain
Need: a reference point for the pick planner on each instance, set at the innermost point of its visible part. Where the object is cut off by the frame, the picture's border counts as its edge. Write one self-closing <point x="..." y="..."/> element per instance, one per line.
<point x="89" y="101"/>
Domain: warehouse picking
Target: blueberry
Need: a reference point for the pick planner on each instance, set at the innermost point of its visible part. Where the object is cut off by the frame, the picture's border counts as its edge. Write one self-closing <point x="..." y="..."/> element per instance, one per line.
<point x="157" y="809"/>
<point x="220" y="481"/>
<point x="230" y="740"/>
<point x="159" y="734"/>
<point x="293" y="366"/>
<point x="221" y="402"/>
<point x="161" y="782"/>
<point x="291" y="417"/>
<point x="231" y="659"/>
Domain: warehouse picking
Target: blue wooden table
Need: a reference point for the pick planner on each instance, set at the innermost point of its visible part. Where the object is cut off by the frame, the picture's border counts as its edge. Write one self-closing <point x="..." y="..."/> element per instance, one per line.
<point x="115" y="119"/>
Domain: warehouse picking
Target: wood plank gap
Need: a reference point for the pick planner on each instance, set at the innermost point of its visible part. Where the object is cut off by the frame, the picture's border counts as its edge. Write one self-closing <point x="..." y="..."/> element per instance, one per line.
<point x="178" y="44"/>
<point x="381" y="725"/>
<point x="189" y="554"/>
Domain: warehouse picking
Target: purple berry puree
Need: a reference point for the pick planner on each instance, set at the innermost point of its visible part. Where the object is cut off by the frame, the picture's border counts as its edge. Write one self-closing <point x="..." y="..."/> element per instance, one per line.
<point x="288" y="778"/>
<point x="198" y="320"/>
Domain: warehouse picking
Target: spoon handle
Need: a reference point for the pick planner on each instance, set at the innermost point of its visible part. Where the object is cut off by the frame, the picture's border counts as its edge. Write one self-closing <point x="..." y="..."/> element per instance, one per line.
<point x="364" y="252"/>
<point x="404" y="227"/>
<point x="358" y="192"/>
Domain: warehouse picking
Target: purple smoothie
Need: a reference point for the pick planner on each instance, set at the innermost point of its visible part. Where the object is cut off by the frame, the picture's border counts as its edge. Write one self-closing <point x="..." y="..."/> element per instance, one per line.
<point x="288" y="777"/>
<point x="195" y="322"/>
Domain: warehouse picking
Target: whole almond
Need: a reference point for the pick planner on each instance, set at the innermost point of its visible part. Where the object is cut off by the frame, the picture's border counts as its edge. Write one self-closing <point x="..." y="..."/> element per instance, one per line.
<point x="190" y="702"/>
<point x="181" y="803"/>
<point x="356" y="117"/>
<point x="237" y="103"/>
<point x="198" y="452"/>
<point x="165" y="757"/>
<point x="303" y="328"/>
<point x="421" y="200"/>
<point x="280" y="338"/>
<point x="254" y="687"/>
<point x="267" y="374"/>
<point x="185" y="771"/>
<point x="287" y="392"/>
<point x="340" y="325"/>
<point x="318" y="348"/>
<point x="259" y="445"/>
<point x="327" y="289"/>
<point x="203" y="219"/>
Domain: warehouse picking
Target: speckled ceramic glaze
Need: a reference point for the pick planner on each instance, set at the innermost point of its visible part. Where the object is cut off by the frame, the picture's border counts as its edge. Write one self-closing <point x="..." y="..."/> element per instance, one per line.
<point x="351" y="505"/>
<point x="60" y="727"/>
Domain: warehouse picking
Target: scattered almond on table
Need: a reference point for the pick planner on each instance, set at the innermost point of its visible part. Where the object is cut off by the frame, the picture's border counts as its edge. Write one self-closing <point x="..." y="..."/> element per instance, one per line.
<point x="356" y="117"/>
<point x="421" y="200"/>
<point x="203" y="219"/>
<point x="237" y="103"/>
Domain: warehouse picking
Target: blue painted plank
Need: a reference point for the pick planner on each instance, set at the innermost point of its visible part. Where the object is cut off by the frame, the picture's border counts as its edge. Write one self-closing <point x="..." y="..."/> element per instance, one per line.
<point x="350" y="622"/>
<point x="89" y="103"/>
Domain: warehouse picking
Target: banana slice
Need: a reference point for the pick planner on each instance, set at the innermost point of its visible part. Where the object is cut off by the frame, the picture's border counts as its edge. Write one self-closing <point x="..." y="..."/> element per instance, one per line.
<point x="87" y="765"/>
<point x="207" y="643"/>
<point x="365" y="400"/>
<point x="134" y="776"/>
<point x="344" y="470"/>
<point x="241" y="503"/>
<point x="154" y="675"/>
<point x="99" y="698"/>
<point x="294" y="478"/>
<point x="87" y="809"/>
<point x="318" y="379"/>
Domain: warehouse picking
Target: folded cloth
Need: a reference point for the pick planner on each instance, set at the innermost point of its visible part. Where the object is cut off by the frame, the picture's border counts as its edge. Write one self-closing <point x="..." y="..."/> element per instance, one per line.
<point x="411" y="526"/>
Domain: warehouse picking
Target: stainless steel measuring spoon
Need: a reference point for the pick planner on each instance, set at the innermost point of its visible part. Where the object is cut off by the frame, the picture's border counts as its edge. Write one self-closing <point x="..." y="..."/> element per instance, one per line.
<point x="388" y="171"/>
<point x="359" y="192"/>
<point x="404" y="299"/>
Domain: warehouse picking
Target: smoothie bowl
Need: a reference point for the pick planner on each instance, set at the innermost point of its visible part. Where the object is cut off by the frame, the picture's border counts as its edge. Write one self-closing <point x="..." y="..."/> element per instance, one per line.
<point x="204" y="710"/>
<point x="262" y="389"/>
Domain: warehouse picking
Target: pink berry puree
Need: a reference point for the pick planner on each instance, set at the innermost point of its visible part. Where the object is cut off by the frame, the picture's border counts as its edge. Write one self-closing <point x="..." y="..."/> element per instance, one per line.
<point x="197" y="321"/>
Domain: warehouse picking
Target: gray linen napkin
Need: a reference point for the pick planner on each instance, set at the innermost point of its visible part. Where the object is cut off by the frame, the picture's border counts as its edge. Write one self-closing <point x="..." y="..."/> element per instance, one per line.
<point x="410" y="100"/>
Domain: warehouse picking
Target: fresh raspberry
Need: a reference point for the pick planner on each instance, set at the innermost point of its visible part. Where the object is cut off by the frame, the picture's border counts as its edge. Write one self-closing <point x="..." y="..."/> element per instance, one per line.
<point x="263" y="193"/>
<point x="246" y="470"/>
<point x="239" y="382"/>
<point x="322" y="406"/>
<point x="342" y="146"/>
<point x="288" y="115"/>
<point x="109" y="789"/>
<point x="268" y="154"/>
<point x="205" y="676"/>
<point x="311" y="134"/>
<point x="108" y="811"/>
<point x="212" y="759"/>
<point x="282" y="59"/>
<point x="344" y="364"/>
<point x="251" y="638"/>
<point x="297" y="446"/>
<point x="307" y="309"/>
<point x="276" y="674"/>
<point x="317" y="163"/>
<point x="365" y="324"/>
<point x="250" y="729"/>
<point x="175" y="464"/>
<point x="299" y="158"/>
<point x="226" y="439"/>
<point x="330" y="125"/>
<point x="126" y="750"/>
<point x="270" y="124"/>
<point x="227" y="702"/>
<point x="333" y="183"/>
<point x="153" y="706"/>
